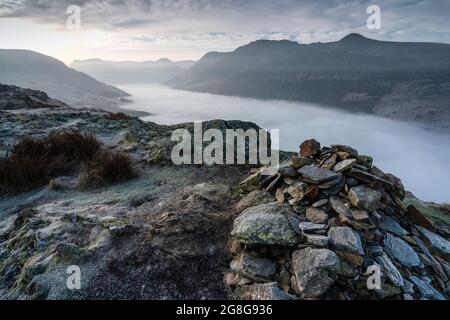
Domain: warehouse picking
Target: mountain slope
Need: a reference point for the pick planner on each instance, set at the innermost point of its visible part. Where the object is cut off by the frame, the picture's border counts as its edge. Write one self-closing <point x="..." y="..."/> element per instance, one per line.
<point x="409" y="81"/>
<point x="119" y="72"/>
<point x="40" y="72"/>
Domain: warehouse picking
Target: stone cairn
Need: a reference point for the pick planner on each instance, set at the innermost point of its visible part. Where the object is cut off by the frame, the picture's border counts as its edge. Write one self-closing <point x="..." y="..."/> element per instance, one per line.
<point x="325" y="226"/>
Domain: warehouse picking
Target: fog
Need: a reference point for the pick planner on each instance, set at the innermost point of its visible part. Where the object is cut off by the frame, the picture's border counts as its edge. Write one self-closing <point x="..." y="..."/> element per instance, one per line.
<point x="417" y="156"/>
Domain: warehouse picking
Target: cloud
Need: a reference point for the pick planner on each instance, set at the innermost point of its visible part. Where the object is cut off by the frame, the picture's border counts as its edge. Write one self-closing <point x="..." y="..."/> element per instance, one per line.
<point x="223" y="25"/>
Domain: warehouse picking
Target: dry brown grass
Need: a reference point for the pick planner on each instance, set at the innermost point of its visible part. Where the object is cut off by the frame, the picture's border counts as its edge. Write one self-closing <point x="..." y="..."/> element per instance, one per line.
<point x="32" y="162"/>
<point x="107" y="167"/>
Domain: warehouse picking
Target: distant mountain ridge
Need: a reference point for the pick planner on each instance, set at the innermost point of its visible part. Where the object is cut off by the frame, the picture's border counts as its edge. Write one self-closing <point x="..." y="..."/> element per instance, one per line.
<point x="33" y="70"/>
<point x="408" y="81"/>
<point x="121" y="72"/>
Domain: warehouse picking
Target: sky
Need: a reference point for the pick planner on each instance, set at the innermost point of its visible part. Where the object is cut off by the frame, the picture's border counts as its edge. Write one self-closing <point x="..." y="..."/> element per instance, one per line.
<point x="139" y="30"/>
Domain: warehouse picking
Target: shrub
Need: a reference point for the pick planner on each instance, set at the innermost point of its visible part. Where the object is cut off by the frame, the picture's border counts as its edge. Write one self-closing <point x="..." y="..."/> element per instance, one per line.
<point x="107" y="167"/>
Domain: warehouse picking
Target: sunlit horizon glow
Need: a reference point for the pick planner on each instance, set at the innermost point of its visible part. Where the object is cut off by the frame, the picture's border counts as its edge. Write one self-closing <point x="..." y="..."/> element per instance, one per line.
<point x="142" y="30"/>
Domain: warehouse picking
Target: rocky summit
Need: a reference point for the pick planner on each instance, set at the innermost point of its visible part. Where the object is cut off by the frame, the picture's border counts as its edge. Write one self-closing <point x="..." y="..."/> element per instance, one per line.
<point x="313" y="230"/>
<point x="328" y="220"/>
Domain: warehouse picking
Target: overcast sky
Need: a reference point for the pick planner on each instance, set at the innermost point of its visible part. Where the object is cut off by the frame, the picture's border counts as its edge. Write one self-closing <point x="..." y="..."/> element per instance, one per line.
<point x="187" y="29"/>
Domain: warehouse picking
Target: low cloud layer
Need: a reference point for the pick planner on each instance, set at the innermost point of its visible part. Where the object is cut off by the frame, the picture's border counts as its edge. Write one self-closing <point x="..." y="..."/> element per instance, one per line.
<point x="418" y="157"/>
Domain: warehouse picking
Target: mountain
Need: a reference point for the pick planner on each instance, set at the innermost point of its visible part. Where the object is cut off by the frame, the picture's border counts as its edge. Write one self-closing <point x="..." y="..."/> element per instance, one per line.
<point x="33" y="70"/>
<point x="408" y="81"/>
<point x="120" y="72"/>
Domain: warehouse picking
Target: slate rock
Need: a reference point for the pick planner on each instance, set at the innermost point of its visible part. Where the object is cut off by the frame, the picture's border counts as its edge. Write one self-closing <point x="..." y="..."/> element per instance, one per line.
<point x="390" y="270"/>
<point x="316" y="174"/>
<point x="391" y="225"/>
<point x="364" y="197"/>
<point x="401" y="251"/>
<point x="426" y="290"/>
<point x="344" y="238"/>
<point x="436" y="243"/>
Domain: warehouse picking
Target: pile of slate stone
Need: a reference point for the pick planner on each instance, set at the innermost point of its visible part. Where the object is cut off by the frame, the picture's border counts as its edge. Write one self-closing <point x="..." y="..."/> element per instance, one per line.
<point x="331" y="225"/>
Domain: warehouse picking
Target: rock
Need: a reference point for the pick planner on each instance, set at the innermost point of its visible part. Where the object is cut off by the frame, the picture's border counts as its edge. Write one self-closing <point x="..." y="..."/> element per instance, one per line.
<point x="279" y="195"/>
<point x="391" y="271"/>
<point x="287" y="170"/>
<point x="257" y="269"/>
<point x="123" y="230"/>
<point x="231" y="279"/>
<point x="391" y="225"/>
<point x="437" y="267"/>
<point x="343" y="148"/>
<point x="265" y="291"/>
<point x="370" y="179"/>
<point x="297" y="192"/>
<point x="341" y="208"/>
<point x="265" y="224"/>
<point x="360" y="215"/>
<point x="387" y="291"/>
<point x="345" y="239"/>
<point x="365" y="161"/>
<point x="316" y="175"/>
<point x="407" y="296"/>
<point x="364" y="197"/>
<point x="275" y="182"/>
<point x="316" y="215"/>
<point x="329" y="162"/>
<point x="316" y="240"/>
<point x="401" y="251"/>
<point x="352" y="182"/>
<point x="436" y="243"/>
<point x="254" y="198"/>
<point x="419" y="218"/>
<point x="68" y="250"/>
<point x="408" y="287"/>
<point x="307" y="227"/>
<point x="426" y="290"/>
<point x="299" y="162"/>
<point x="344" y="165"/>
<point x="309" y="148"/>
<point x="313" y="270"/>
<point x="320" y="203"/>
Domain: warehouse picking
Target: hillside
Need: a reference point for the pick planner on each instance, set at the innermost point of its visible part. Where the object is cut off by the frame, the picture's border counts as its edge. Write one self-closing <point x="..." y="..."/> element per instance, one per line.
<point x="33" y="70"/>
<point x="120" y="72"/>
<point x="202" y="232"/>
<point x="407" y="81"/>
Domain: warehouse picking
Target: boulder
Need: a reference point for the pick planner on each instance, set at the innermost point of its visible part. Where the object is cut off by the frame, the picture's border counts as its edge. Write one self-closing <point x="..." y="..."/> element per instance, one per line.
<point x="265" y="224"/>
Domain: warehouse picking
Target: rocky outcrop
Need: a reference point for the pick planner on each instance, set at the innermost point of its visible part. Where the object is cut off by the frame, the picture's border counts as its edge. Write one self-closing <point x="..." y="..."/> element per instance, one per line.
<point x="336" y="218"/>
<point x="13" y="98"/>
